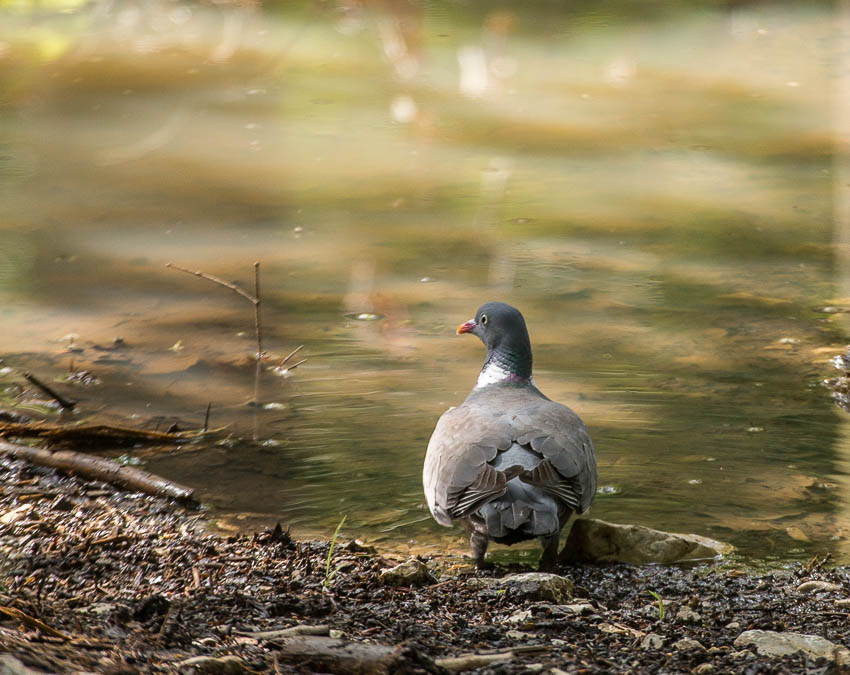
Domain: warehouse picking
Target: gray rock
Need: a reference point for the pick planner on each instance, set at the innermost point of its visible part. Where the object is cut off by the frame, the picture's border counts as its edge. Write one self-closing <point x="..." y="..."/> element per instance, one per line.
<point x="597" y="541"/>
<point x="813" y="587"/>
<point x="652" y="642"/>
<point x="688" y="645"/>
<point x="687" y="615"/>
<point x="771" y="643"/>
<point x="539" y="586"/>
<point x="733" y="625"/>
<point x="411" y="572"/>
<point x="704" y="669"/>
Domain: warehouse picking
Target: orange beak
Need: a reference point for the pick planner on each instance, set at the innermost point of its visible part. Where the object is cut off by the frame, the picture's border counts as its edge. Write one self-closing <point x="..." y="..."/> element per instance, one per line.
<point x="467" y="327"/>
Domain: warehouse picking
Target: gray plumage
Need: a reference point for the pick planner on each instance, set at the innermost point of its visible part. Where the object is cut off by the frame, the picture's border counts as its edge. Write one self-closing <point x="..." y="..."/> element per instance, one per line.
<point x="508" y="463"/>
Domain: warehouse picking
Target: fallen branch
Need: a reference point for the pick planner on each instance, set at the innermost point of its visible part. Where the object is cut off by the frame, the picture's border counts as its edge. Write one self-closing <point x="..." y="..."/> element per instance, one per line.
<point x="99" y="468"/>
<point x="32" y="622"/>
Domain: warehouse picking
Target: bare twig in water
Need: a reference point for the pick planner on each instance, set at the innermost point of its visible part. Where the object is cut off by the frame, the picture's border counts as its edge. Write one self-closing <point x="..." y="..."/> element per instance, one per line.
<point x="61" y="400"/>
<point x="258" y="330"/>
<point x="253" y="299"/>
<point x="221" y="282"/>
<point x="289" y="356"/>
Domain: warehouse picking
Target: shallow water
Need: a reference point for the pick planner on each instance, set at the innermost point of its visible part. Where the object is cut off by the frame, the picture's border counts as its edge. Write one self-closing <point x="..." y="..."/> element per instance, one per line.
<point x="662" y="195"/>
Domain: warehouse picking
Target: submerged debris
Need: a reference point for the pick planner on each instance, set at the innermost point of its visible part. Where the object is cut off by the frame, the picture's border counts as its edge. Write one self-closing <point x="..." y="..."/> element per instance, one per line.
<point x="96" y="579"/>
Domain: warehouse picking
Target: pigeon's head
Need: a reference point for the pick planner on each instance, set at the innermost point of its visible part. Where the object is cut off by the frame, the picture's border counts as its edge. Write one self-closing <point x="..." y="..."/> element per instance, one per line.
<point x="502" y="330"/>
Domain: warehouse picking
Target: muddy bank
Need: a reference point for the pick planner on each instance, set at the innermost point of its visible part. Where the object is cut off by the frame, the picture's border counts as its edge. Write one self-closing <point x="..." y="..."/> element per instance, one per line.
<point x="96" y="579"/>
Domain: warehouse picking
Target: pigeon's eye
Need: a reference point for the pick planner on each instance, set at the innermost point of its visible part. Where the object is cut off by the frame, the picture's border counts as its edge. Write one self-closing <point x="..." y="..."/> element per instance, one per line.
<point x="483" y="319"/>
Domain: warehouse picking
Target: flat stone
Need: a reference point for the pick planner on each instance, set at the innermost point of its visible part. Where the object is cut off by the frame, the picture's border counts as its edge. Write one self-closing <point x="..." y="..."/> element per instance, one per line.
<point x="411" y="572"/>
<point x="842" y="602"/>
<point x="539" y="586"/>
<point x="771" y="643"/>
<point x="580" y="608"/>
<point x="813" y="587"/>
<point x="597" y="541"/>
<point x="521" y="616"/>
<point x="688" y="645"/>
<point x="652" y="642"/>
<point x="520" y="635"/>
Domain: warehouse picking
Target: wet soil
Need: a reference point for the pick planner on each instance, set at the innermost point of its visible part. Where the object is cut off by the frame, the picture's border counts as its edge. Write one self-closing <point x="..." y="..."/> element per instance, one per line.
<point x="100" y="580"/>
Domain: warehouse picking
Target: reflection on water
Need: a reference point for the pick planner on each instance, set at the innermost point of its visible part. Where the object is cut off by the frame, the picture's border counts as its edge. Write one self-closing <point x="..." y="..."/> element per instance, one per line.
<point x="654" y="192"/>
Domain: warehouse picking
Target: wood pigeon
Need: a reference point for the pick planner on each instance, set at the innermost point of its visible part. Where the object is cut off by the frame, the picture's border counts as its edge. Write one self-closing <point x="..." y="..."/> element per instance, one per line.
<point x="508" y="463"/>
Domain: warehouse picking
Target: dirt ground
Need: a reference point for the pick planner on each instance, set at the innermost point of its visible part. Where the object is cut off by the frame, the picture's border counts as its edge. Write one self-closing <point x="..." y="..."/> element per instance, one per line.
<point x="93" y="579"/>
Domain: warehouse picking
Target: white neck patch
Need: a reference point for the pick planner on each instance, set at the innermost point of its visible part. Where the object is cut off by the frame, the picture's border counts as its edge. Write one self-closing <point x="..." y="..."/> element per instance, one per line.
<point x="491" y="374"/>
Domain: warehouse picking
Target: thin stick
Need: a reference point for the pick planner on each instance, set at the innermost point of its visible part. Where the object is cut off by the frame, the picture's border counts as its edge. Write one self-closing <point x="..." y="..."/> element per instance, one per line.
<point x="221" y="282"/>
<point x="295" y="365"/>
<point x="64" y="402"/>
<point x="207" y="417"/>
<point x="291" y="354"/>
<point x="257" y="327"/>
<point x="32" y="622"/>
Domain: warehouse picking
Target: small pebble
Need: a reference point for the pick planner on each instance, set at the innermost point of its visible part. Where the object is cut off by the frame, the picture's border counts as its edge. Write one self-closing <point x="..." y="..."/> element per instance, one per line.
<point x="687" y="615"/>
<point x="703" y="669"/>
<point x="688" y="645"/>
<point x="653" y="641"/>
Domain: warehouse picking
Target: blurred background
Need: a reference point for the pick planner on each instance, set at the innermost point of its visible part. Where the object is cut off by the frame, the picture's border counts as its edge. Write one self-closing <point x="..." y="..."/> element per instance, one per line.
<point x="662" y="188"/>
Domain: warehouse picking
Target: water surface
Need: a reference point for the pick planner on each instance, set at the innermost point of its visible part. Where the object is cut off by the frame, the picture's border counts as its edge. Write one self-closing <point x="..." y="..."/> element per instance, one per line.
<point x="661" y="194"/>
